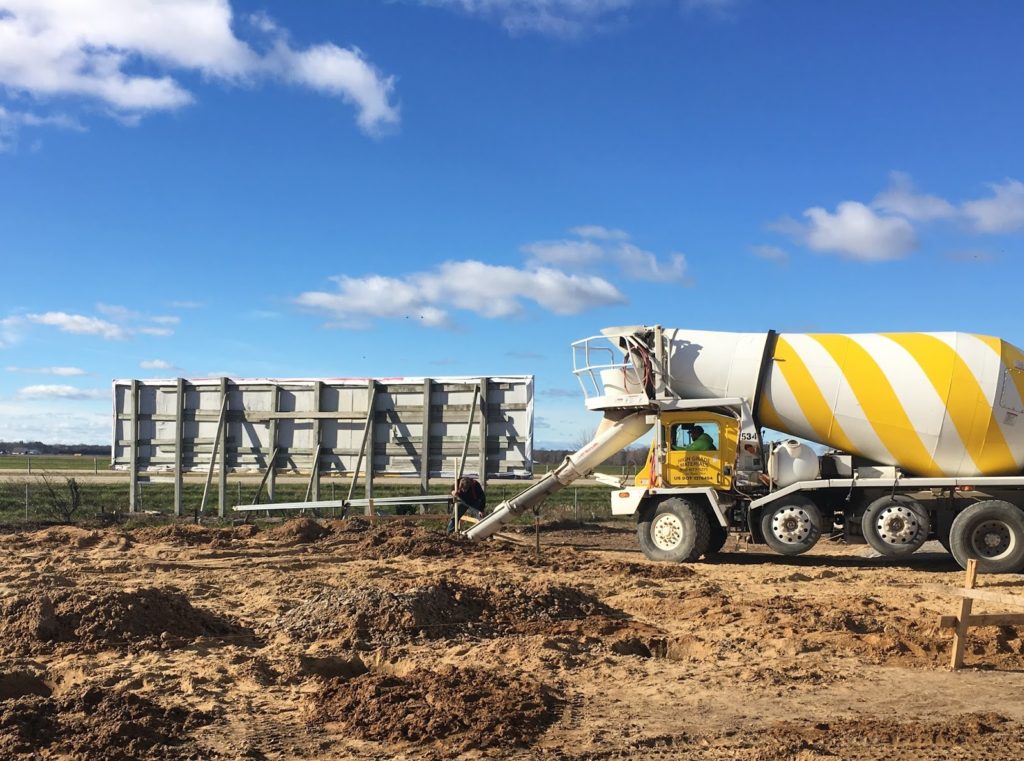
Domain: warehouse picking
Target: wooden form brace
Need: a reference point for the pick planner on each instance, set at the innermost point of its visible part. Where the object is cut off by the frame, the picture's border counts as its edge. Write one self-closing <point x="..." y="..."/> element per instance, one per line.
<point x="960" y="624"/>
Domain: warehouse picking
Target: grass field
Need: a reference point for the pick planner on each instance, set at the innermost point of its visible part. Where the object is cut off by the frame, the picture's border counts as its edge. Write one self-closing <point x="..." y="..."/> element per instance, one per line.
<point x="53" y="462"/>
<point x="107" y="498"/>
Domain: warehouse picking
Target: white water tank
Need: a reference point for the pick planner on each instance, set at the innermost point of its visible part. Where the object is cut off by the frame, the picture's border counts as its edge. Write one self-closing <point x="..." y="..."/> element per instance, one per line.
<point x="791" y="462"/>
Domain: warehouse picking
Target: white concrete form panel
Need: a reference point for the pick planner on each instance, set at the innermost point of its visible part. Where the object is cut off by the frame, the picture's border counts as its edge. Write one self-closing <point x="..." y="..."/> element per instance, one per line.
<point x="302" y="425"/>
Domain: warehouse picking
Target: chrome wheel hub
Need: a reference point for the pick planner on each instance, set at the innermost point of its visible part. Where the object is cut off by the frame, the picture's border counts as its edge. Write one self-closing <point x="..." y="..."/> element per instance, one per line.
<point x="993" y="539"/>
<point x="791" y="525"/>
<point x="897" y="525"/>
<point x="667" y="532"/>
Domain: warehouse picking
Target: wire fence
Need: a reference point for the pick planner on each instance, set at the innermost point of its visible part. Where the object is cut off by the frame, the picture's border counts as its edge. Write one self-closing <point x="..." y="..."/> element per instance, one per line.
<point x="66" y="498"/>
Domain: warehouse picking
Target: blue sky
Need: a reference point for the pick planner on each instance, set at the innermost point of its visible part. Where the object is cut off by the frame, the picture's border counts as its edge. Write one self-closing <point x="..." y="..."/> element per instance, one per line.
<point x="442" y="187"/>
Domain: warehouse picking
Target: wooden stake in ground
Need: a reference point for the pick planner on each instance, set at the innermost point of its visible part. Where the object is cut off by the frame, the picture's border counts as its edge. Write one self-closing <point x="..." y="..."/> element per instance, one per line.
<point x="962" y="624"/>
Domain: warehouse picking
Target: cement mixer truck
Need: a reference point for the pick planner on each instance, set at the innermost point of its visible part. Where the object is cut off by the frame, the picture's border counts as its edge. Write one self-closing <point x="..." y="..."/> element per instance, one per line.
<point x="894" y="439"/>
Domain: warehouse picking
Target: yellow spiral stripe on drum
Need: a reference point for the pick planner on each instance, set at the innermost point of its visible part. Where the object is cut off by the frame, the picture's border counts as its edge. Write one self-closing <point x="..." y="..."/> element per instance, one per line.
<point x="768" y="414"/>
<point x="881" y="405"/>
<point x="1012" y="359"/>
<point x="808" y="395"/>
<point x="966" y="402"/>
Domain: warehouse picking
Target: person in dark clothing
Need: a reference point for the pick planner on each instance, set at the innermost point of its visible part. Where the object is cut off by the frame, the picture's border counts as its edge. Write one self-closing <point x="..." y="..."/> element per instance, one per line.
<point x="469" y="499"/>
<point x="700" y="441"/>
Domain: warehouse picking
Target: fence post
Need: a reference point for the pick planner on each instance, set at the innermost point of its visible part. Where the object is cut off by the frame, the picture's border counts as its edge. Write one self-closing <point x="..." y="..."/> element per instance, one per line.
<point x="28" y="459"/>
<point x="95" y="466"/>
<point x="26" y="500"/>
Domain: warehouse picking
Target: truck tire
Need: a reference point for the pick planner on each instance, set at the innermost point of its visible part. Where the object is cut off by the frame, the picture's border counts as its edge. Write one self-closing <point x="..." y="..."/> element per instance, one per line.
<point x="676" y="531"/>
<point x="991" y="532"/>
<point x="792" y="525"/>
<point x="718" y="536"/>
<point x="895" y="525"/>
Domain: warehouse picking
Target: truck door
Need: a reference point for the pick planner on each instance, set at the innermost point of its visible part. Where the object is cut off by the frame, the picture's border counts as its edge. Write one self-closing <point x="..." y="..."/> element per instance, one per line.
<point x="700" y="449"/>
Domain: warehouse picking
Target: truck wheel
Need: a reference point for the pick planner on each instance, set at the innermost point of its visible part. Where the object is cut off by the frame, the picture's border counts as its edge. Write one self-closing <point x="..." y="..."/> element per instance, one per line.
<point x="991" y="532"/>
<point x="792" y="525"/>
<point x="895" y="525"/>
<point x="718" y="536"/>
<point x="676" y="531"/>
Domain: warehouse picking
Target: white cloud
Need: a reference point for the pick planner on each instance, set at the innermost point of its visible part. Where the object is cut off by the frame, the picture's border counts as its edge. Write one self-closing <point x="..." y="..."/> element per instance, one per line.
<point x="560" y="18"/>
<point x="564" y="253"/>
<point x="126" y="55"/>
<point x="772" y="253"/>
<point x="11" y="123"/>
<point x="57" y="391"/>
<point x="27" y="422"/>
<point x="901" y="199"/>
<point x="117" y="323"/>
<point x="1003" y="212"/>
<point x="136" y="322"/>
<point x="487" y="290"/>
<point x="166" y="319"/>
<point x="342" y="72"/>
<point x="79" y="324"/>
<point x="67" y="372"/>
<point x="156" y="364"/>
<point x="887" y="229"/>
<point x="184" y="304"/>
<point x="643" y="265"/>
<point x="601" y="244"/>
<point x="599" y="233"/>
<point x="857" y="232"/>
<point x="10" y="330"/>
<point x="53" y="423"/>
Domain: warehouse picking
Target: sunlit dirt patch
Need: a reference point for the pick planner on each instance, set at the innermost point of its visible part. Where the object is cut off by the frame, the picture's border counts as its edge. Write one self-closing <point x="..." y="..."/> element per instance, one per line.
<point x="457" y="708"/>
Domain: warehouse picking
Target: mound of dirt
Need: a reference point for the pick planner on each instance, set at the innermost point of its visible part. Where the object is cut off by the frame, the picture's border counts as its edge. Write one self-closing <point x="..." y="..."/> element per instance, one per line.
<point x="459" y="709"/>
<point x="353" y="525"/>
<point x="97" y="724"/>
<point x="76" y="537"/>
<point x="144" y="618"/>
<point x="372" y="616"/>
<point x="192" y="535"/>
<point x="298" y="531"/>
<point x="411" y="541"/>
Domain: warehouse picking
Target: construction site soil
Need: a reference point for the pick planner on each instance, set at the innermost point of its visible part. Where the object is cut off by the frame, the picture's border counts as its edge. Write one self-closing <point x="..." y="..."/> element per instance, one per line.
<point x="342" y="639"/>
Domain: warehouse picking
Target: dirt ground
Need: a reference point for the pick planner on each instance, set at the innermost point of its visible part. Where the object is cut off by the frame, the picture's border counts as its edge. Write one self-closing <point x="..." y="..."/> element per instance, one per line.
<point x="346" y="640"/>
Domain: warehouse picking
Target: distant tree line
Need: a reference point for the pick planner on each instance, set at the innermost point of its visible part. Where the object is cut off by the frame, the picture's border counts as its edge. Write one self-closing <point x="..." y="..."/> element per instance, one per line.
<point x="38" y="447"/>
<point x="631" y="457"/>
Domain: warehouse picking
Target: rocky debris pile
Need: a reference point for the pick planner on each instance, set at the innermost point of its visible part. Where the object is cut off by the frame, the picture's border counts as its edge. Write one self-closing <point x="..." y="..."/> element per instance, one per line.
<point x="96" y="619"/>
<point x="298" y="531"/>
<point x="97" y="724"/>
<point x="458" y="709"/>
<point x="448" y="609"/>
